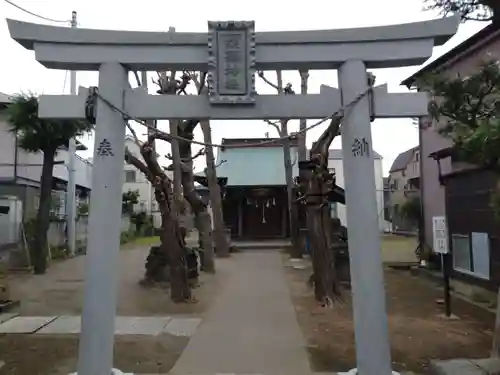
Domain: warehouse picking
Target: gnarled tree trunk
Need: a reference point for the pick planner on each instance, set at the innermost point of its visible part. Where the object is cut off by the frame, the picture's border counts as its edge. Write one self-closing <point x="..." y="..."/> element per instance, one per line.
<point x="185" y="130"/>
<point x="172" y="251"/>
<point x="326" y="285"/>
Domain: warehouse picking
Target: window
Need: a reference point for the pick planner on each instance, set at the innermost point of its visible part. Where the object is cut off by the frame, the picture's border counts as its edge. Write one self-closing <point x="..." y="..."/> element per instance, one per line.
<point x="129" y="176"/>
<point x="394" y="185"/>
<point x="471" y="254"/>
<point x="461" y="253"/>
<point x="417" y="156"/>
<point x="481" y="254"/>
<point x="333" y="210"/>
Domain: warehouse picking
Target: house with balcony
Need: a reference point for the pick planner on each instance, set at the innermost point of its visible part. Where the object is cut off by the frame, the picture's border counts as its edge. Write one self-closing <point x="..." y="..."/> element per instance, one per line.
<point x="20" y="173"/>
<point x="459" y="191"/>
<point x="403" y="185"/>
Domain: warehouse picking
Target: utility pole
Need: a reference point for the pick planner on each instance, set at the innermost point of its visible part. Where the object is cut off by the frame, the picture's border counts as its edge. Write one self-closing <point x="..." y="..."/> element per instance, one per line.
<point x="144" y="84"/>
<point x="71" y="187"/>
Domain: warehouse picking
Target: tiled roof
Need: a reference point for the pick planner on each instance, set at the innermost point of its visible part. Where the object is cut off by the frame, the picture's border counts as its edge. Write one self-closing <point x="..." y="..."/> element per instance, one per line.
<point x="254" y="166"/>
<point x="402" y="160"/>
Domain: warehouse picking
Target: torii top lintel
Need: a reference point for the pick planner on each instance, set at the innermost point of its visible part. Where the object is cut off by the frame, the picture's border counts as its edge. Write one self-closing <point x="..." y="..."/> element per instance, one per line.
<point x="379" y="47"/>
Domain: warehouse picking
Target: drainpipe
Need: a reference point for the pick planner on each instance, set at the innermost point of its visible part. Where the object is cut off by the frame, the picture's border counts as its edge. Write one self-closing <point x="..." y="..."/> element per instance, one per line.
<point x="15" y="159"/>
<point x="421" y="219"/>
<point x="71" y="184"/>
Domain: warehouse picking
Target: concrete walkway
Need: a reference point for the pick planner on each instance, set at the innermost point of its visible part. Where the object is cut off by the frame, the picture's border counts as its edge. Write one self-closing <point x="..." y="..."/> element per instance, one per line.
<point x="252" y="328"/>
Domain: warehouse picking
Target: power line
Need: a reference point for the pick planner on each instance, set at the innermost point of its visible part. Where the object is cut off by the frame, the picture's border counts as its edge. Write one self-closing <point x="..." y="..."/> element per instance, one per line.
<point x="36" y="15"/>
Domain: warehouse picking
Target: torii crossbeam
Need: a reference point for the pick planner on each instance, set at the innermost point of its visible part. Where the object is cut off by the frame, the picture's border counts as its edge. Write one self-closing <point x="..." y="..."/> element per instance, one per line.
<point x="139" y="104"/>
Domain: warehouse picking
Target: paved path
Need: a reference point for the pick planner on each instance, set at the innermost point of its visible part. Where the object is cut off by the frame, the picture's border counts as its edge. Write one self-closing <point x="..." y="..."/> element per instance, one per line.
<point x="252" y="328"/>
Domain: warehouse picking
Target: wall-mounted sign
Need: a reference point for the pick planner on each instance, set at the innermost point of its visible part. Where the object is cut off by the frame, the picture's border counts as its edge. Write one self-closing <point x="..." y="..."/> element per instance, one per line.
<point x="440" y="234"/>
<point x="231" y="60"/>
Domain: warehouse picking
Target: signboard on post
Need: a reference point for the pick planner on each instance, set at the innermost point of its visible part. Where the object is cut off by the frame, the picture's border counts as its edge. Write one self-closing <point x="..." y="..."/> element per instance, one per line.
<point x="440" y="235"/>
<point x="231" y="61"/>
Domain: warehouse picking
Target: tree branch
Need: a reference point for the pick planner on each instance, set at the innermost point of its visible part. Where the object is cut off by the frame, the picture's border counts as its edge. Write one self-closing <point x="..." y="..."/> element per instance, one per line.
<point x="199" y="153"/>
<point x="132" y="160"/>
<point x="275" y="125"/>
<point x="184" y="167"/>
<point x="220" y="163"/>
<point x="137" y="79"/>
<point x="325" y="140"/>
<point x="263" y="77"/>
<point x="134" y="134"/>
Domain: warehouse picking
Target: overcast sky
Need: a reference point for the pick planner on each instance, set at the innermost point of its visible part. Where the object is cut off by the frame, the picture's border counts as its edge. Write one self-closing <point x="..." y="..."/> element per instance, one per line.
<point x="20" y="72"/>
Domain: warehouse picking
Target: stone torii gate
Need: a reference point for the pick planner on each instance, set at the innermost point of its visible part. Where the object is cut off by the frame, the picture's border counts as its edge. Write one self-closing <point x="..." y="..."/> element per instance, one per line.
<point x="231" y="52"/>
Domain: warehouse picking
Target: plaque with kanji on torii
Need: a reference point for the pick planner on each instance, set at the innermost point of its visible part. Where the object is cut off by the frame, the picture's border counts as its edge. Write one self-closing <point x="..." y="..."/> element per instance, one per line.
<point x="231" y="61"/>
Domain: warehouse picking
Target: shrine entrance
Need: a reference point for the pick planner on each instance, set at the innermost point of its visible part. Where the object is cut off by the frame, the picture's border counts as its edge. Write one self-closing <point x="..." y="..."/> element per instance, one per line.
<point x="264" y="213"/>
<point x="235" y="52"/>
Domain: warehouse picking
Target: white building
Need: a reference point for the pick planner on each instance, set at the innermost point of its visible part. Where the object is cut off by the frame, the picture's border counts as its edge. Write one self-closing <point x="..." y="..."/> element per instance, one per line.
<point x="20" y="170"/>
<point x="335" y="165"/>
<point x="134" y="179"/>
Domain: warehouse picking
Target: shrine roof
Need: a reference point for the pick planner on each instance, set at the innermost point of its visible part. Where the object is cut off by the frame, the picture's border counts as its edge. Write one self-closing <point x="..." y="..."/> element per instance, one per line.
<point x="255" y="166"/>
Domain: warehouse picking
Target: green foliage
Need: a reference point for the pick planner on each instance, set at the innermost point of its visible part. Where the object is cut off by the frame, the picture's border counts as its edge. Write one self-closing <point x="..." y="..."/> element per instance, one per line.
<point x="143" y="223"/>
<point x="127" y="236"/>
<point x="470" y="112"/>
<point x="35" y="134"/>
<point x="411" y="209"/>
<point x="59" y="252"/>
<point x="83" y="209"/>
<point x="129" y="199"/>
<point x="478" y="10"/>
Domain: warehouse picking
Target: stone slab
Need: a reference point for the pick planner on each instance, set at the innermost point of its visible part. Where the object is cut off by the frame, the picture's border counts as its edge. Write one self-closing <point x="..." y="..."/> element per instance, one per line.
<point x="25" y="324"/>
<point x="456" y="367"/>
<point x="62" y="325"/>
<point x="138" y="325"/>
<point x="490" y="366"/>
<point x="129" y="325"/>
<point x="7" y="316"/>
<point x="182" y="327"/>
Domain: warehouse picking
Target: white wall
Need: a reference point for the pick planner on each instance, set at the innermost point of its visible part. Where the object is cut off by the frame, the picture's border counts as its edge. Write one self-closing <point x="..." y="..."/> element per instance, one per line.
<point x="379" y="185"/>
<point x="141" y="183"/>
<point x="7" y="147"/>
<point x="33" y="172"/>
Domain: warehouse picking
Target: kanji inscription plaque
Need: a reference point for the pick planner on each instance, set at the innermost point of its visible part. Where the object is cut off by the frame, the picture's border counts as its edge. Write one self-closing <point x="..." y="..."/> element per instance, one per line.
<point x="231" y="76"/>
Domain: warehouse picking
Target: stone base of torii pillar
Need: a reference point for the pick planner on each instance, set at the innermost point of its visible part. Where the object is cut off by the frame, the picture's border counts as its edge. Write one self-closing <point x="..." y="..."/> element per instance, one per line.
<point x="113" y="372"/>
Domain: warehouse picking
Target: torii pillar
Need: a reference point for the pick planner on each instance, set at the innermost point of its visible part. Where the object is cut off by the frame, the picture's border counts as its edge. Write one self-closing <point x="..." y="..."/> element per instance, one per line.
<point x="95" y="354"/>
<point x="367" y="279"/>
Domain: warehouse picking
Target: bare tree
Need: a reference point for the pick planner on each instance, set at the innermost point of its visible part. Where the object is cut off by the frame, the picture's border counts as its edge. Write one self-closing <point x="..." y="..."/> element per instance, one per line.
<point x="281" y="127"/>
<point x="185" y="133"/>
<point x="221" y="242"/>
<point x="171" y="251"/>
<point x="316" y="183"/>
